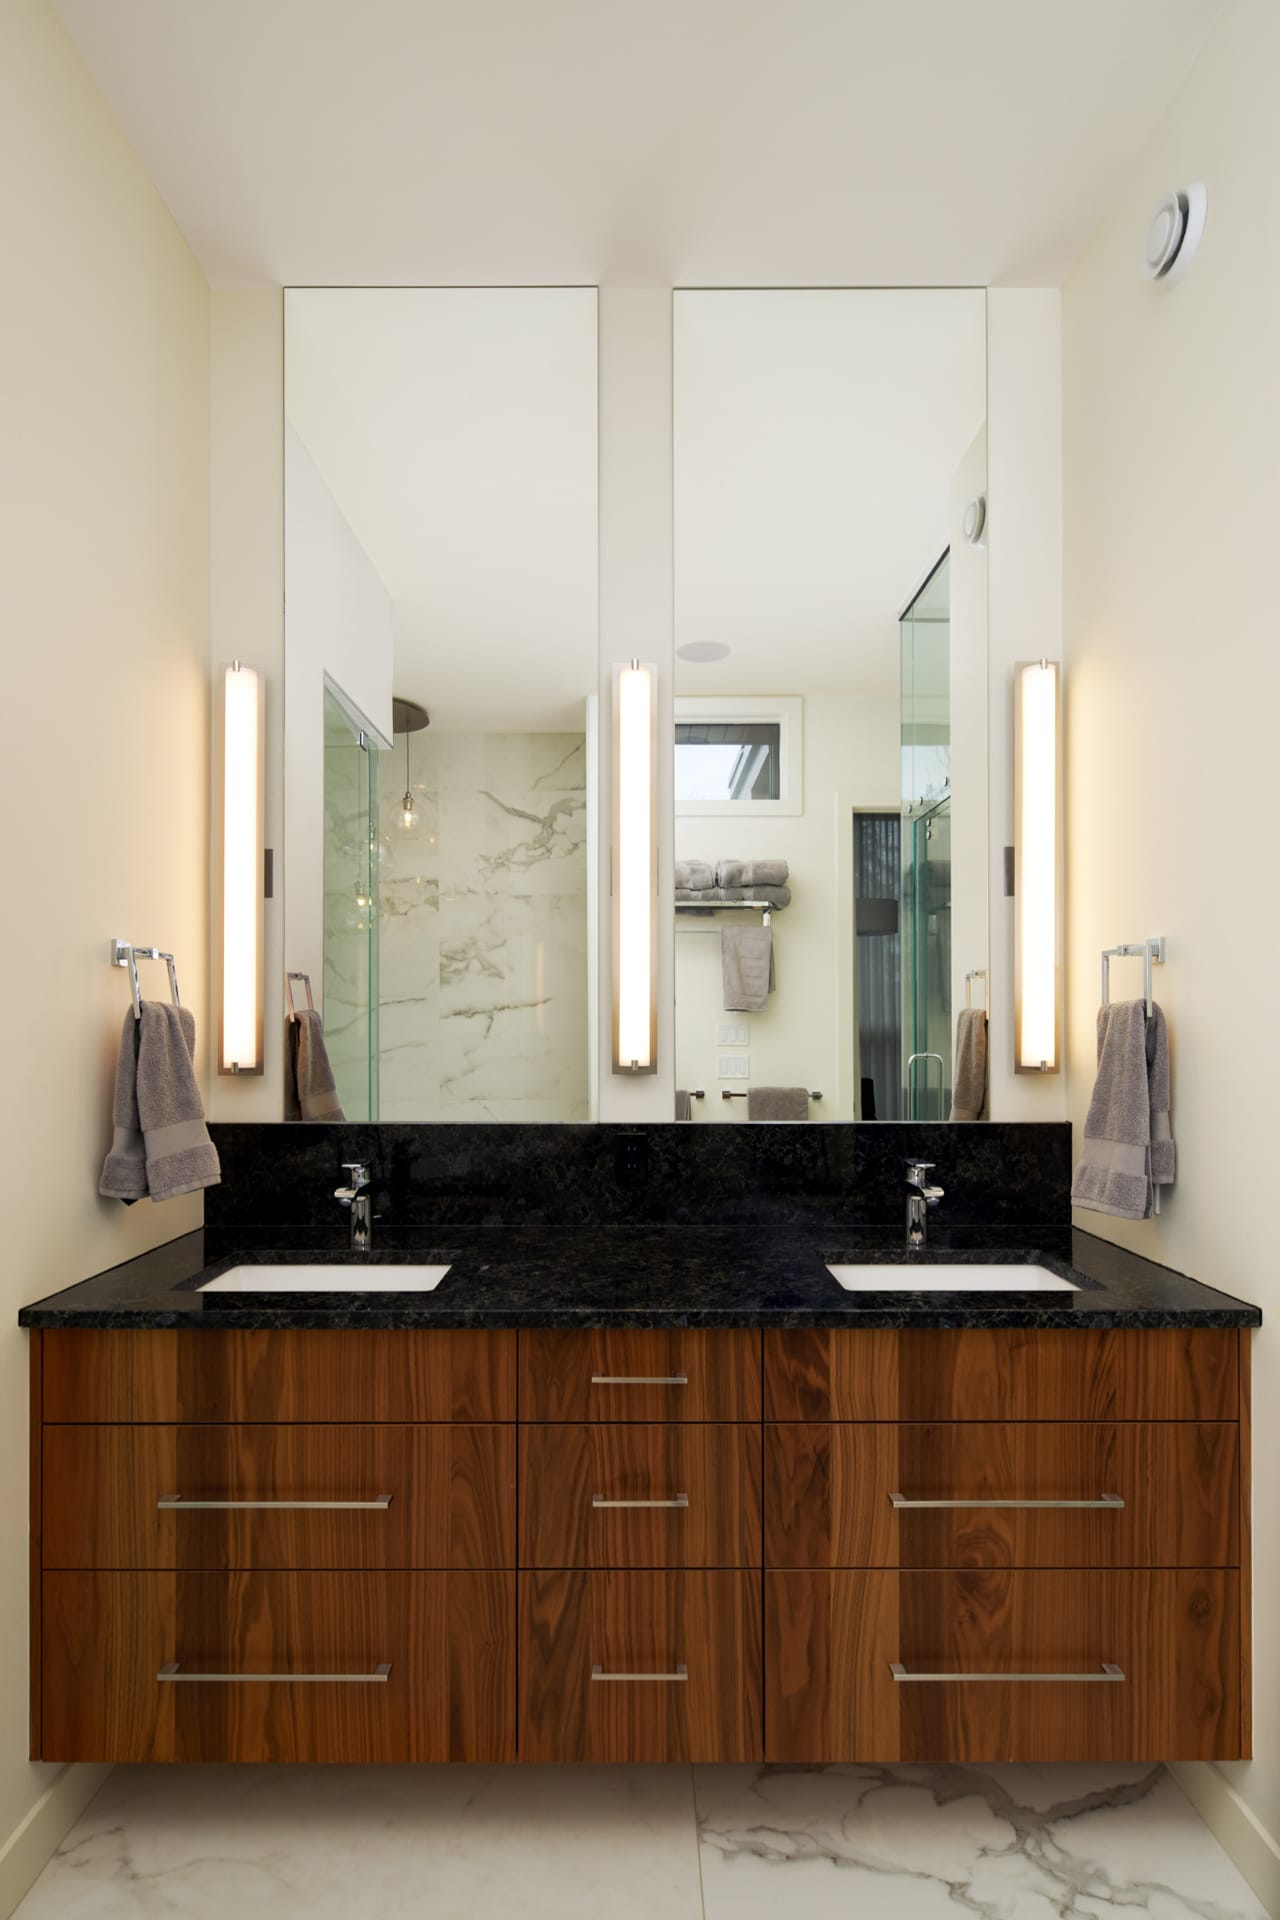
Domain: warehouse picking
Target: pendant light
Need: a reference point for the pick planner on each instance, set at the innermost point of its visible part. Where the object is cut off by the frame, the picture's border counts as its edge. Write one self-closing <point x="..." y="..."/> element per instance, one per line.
<point x="408" y="717"/>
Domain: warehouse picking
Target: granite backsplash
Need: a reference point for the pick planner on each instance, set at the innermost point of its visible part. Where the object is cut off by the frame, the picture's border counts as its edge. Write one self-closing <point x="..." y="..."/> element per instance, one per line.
<point x="1005" y="1174"/>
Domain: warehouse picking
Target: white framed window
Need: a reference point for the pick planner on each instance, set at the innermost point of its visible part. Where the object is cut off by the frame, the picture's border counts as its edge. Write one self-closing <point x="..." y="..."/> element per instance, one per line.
<point x="740" y="758"/>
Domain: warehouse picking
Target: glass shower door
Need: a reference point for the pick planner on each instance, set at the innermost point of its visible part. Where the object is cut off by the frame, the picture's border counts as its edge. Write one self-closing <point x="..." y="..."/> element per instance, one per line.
<point x="351" y="909"/>
<point x="926" y="971"/>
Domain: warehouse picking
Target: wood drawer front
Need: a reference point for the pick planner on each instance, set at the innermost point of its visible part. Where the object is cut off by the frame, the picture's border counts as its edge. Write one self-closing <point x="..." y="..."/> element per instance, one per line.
<point x="651" y="1374"/>
<point x="448" y="1638"/>
<point x="828" y="1494"/>
<point x="644" y="1624"/>
<point x="567" y="1471"/>
<point x="295" y="1374"/>
<point x="451" y="1496"/>
<point x="981" y="1373"/>
<point x="830" y="1639"/>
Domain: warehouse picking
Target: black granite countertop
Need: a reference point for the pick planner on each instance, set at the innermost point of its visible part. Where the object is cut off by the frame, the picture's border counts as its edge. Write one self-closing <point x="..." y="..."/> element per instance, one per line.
<point x="634" y="1276"/>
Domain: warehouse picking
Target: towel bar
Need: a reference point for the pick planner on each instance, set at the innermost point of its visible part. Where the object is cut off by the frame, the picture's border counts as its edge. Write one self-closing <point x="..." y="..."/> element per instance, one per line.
<point x="1152" y="953"/>
<point x="977" y="973"/>
<point x="125" y="955"/>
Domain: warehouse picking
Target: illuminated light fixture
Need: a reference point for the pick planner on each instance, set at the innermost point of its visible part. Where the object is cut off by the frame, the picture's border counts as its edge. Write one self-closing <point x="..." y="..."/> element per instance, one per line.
<point x="408" y="717"/>
<point x="243" y="745"/>
<point x="635" y="869"/>
<point x="1037" y="788"/>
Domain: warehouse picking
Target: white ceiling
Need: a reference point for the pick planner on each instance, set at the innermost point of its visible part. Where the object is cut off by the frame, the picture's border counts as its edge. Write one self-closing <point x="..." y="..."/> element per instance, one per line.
<point x="455" y="429"/>
<point x="817" y="434"/>
<point x="667" y="142"/>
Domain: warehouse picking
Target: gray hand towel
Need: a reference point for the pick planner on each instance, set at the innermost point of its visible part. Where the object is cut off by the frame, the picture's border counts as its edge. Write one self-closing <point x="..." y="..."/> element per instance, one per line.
<point x="158" y="1110"/>
<point x="313" y="1090"/>
<point x="752" y="873"/>
<point x="684" y="1104"/>
<point x="1128" y="1145"/>
<point x="969" y="1092"/>
<point x="694" y="873"/>
<point x="778" y="1103"/>
<point x="746" y="964"/>
<point x="124" y="1171"/>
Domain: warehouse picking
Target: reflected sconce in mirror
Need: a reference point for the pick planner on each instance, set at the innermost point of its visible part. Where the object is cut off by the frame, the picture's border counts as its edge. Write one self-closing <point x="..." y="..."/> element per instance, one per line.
<point x="634" y="868"/>
<point x="243" y="746"/>
<point x="1037" y="788"/>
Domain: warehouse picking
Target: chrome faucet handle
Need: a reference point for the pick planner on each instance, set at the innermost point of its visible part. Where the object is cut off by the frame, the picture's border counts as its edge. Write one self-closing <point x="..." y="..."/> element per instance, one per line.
<point x="916" y="1172"/>
<point x="359" y="1172"/>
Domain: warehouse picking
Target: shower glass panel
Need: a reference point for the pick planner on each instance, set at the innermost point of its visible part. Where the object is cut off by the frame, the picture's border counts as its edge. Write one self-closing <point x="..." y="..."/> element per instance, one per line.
<point x="926" y="849"/>
<point x="350" y="910"/>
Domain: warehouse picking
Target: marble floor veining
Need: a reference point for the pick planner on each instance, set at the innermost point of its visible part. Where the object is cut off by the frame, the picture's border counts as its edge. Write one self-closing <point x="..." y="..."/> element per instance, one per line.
<point x="640" y="1843"/>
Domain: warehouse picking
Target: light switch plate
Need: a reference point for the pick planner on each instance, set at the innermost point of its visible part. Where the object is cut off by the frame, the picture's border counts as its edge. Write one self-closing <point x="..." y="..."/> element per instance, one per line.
<point x="732" y="1066"/>
<point x="730" y="1033"/>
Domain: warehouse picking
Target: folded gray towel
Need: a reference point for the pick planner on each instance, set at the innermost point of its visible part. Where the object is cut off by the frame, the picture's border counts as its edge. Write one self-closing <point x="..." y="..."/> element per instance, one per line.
<point x="746" y="965"/>
<point x="969" y="1089"/>
<point x="751" y="873"/>
<point x="778" y="1103"/>
<point x="312" y="1092"/>
<point x="694" y="873"/>
<point x="684" y="1104"/>
<point x="157" y="1112"/>
<point x="1128" y="1144"/>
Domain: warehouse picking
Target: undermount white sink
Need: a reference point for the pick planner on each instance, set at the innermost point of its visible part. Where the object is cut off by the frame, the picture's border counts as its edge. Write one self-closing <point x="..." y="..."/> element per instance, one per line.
<point x="935" y="1277"/>
<point x="328" y="1279"/>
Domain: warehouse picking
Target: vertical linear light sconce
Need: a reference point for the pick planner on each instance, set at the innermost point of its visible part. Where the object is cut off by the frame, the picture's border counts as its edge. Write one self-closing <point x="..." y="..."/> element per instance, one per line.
<point x="1037" y="944"/>
<point x="243" y="748"/>
<point x="635" y="869"/>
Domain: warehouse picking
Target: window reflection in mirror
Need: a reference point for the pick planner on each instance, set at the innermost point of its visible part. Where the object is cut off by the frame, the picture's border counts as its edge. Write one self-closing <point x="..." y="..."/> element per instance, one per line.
<point x="441" y="672"/>
<point x="830" y="631"/>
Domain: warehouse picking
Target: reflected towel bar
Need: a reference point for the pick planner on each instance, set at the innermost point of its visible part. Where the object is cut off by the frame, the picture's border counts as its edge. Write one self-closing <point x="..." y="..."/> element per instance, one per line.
<point x="289" y="979"/>
<point x="727" y="1095"/>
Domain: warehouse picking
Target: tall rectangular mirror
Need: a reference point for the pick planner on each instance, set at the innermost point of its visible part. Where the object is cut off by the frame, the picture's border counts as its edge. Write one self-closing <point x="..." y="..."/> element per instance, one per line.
<point x="441" y="669"/>
<point x="831" y="838"/>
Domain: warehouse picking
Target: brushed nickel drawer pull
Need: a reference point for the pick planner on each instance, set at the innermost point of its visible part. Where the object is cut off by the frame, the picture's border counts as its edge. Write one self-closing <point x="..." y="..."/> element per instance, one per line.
<point x="681" y="1673"/>
<point x="1106" y="1672"/>
<point x="680" y="1500"/>
<point x="179" y="1503"/>
<point x="380" y="1675"/>
<point x="1110" y="1501"/>
<point x="639" y="1379"/>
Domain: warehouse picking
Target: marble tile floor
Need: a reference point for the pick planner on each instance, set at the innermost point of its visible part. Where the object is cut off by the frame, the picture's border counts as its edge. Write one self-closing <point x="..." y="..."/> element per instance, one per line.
<point x="640" y="1843"/>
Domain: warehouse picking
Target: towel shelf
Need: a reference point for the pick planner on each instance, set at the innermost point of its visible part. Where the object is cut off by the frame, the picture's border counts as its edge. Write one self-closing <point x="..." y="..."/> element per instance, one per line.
<point x="704" y="908"/>
<point x="726" y="1094"/>
<point x="289" y="979"/>
<point x="124" y="954"/>
<point x="1152" y="953"/>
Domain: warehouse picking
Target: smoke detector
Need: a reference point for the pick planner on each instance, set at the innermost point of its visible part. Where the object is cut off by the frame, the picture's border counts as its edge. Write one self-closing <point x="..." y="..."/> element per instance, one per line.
<point x="1173" y="232"/>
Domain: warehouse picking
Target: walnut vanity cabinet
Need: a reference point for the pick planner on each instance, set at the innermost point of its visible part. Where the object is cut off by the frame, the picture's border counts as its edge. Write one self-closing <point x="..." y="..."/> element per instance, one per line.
<point x="1015" y="1545"/>
<point x="639" y="1545"/>
<point x="274" y="1546"/>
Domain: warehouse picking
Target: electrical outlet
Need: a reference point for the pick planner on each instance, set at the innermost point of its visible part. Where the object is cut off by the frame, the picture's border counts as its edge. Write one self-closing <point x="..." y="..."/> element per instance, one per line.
<point x="631" y="1159"/>
<point x="731" y="1034"/>
<point x="733" y="1066"/>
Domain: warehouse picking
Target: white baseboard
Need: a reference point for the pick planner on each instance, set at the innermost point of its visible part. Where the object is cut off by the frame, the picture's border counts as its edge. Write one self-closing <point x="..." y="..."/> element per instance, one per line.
<point x="36" y="1839"/>
<point x="1255" y="1851"/>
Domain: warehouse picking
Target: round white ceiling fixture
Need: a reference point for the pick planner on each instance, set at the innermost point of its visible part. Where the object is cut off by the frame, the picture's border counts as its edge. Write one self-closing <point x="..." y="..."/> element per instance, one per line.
<point x="703" y="650"/>
<point x="1174" y="232"/>
<point x="975" y="519"/>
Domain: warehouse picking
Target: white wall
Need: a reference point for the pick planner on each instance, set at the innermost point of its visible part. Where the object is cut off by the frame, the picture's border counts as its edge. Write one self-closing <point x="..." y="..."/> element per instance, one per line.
<point x="104" y="608"/>
<point x="338" y="624"/>
<point x="851" y="759"/>
<point x="1024" y="571"/>
<point x="1172" y="419"/>
<point x="247" y="610"/>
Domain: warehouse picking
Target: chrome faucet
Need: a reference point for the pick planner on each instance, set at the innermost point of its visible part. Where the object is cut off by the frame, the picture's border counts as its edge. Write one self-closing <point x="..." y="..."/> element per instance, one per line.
<point x="358" y="1198"/>
<point x="920" y="1197"/>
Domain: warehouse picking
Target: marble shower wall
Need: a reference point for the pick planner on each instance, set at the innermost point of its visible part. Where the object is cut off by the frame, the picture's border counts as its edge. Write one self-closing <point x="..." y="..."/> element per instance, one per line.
<point x="484" y="929"/>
